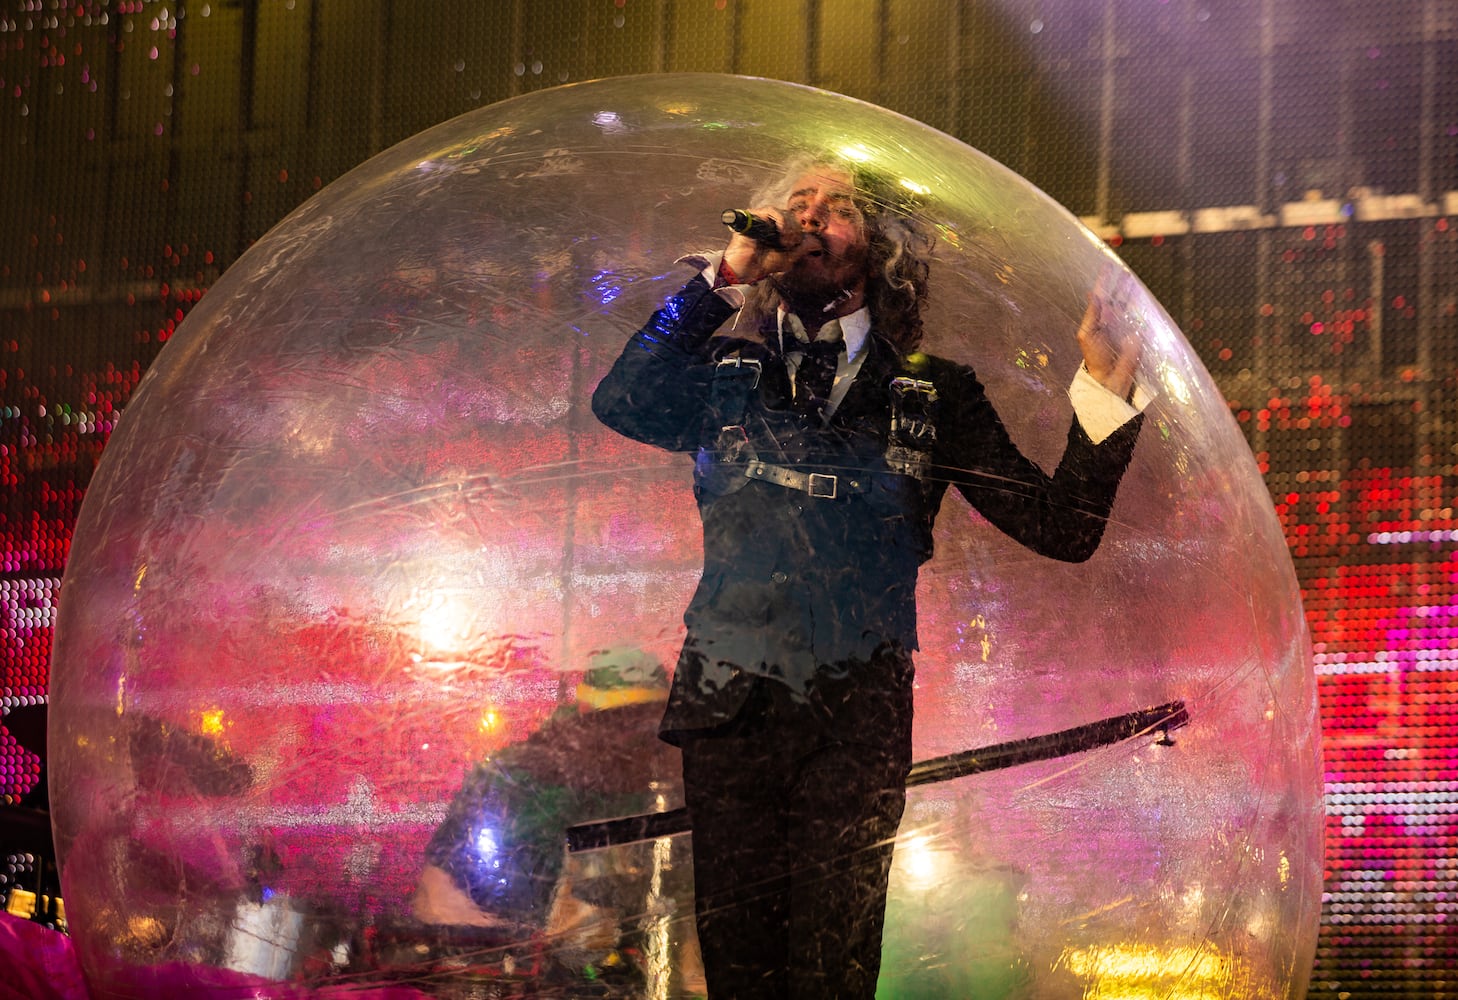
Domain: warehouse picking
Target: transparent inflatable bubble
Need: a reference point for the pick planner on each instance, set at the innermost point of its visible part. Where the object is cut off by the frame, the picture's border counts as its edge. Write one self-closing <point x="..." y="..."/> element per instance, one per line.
<point x="367" y="619"/>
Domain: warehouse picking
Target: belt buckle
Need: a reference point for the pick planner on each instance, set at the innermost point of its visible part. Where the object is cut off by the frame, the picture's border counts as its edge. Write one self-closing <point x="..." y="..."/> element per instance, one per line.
<point x="736" y="361"/>
<point x="822" y="486"/>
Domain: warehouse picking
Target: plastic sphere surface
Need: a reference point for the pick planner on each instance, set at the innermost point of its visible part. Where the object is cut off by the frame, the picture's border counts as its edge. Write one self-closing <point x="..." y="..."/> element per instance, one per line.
<point x="366" y="609"/>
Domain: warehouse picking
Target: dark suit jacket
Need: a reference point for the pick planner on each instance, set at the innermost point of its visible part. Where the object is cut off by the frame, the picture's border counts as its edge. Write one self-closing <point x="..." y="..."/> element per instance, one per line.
<point x="812" y="591"/>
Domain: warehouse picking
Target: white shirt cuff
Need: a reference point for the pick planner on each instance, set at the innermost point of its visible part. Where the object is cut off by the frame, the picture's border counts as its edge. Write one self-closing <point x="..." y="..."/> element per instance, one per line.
<point x="708" y="265"/>
<point x="1099" y="411"/>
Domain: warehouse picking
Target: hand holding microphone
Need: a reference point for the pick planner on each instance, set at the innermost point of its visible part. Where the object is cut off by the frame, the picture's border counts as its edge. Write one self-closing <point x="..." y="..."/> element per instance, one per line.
<point x="760" y="228"/>
<point x="763" y="243"/>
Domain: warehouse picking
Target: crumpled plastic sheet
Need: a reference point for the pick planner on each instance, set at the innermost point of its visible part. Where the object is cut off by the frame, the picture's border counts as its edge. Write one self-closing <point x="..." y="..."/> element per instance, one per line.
<point x="40" y="963"/>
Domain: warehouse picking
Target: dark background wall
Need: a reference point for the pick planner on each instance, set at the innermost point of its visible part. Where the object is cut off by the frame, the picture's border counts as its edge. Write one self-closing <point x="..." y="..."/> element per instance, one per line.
<point x="1282" y="173"/>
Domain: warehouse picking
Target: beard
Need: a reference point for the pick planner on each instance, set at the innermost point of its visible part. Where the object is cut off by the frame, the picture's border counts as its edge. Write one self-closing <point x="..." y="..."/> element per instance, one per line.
<point x="818" y="279"/>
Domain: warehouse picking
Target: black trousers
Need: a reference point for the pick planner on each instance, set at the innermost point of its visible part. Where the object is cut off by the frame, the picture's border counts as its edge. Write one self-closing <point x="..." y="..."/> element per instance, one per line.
<point x="792" y="843"/>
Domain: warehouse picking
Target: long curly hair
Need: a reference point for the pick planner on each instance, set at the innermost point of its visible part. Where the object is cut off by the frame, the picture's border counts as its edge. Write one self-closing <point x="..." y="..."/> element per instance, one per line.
<point x="899" y="242"/>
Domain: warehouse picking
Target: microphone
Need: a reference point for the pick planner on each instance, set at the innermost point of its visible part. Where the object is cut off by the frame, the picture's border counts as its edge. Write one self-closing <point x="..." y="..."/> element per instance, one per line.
<point x="762" y="230"/>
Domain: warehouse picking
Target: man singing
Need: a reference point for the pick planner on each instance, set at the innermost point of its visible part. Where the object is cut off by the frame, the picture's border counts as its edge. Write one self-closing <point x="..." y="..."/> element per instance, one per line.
<point x="824" y="444"/>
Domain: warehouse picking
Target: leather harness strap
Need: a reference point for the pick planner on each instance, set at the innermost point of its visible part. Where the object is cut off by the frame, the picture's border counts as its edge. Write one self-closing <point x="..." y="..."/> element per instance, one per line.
<point x="816" y="484"/>
<point x="912" y="433"/>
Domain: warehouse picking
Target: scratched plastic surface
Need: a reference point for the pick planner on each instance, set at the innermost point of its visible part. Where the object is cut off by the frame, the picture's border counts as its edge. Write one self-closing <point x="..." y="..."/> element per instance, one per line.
<point x="359" y="532"/>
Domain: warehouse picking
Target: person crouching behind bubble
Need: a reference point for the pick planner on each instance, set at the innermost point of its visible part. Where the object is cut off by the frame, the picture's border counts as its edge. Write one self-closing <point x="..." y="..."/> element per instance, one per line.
<point x="824" y="443"/>
<point x="497" y="859"/>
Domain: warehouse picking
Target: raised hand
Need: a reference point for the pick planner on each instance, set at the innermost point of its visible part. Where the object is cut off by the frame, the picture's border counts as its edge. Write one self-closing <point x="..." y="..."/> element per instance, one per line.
<point x="1108" y="334"/>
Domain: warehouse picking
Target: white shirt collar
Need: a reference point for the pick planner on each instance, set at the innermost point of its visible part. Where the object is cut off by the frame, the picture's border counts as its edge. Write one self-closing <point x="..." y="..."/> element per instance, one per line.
<point x="854" y="328"/>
